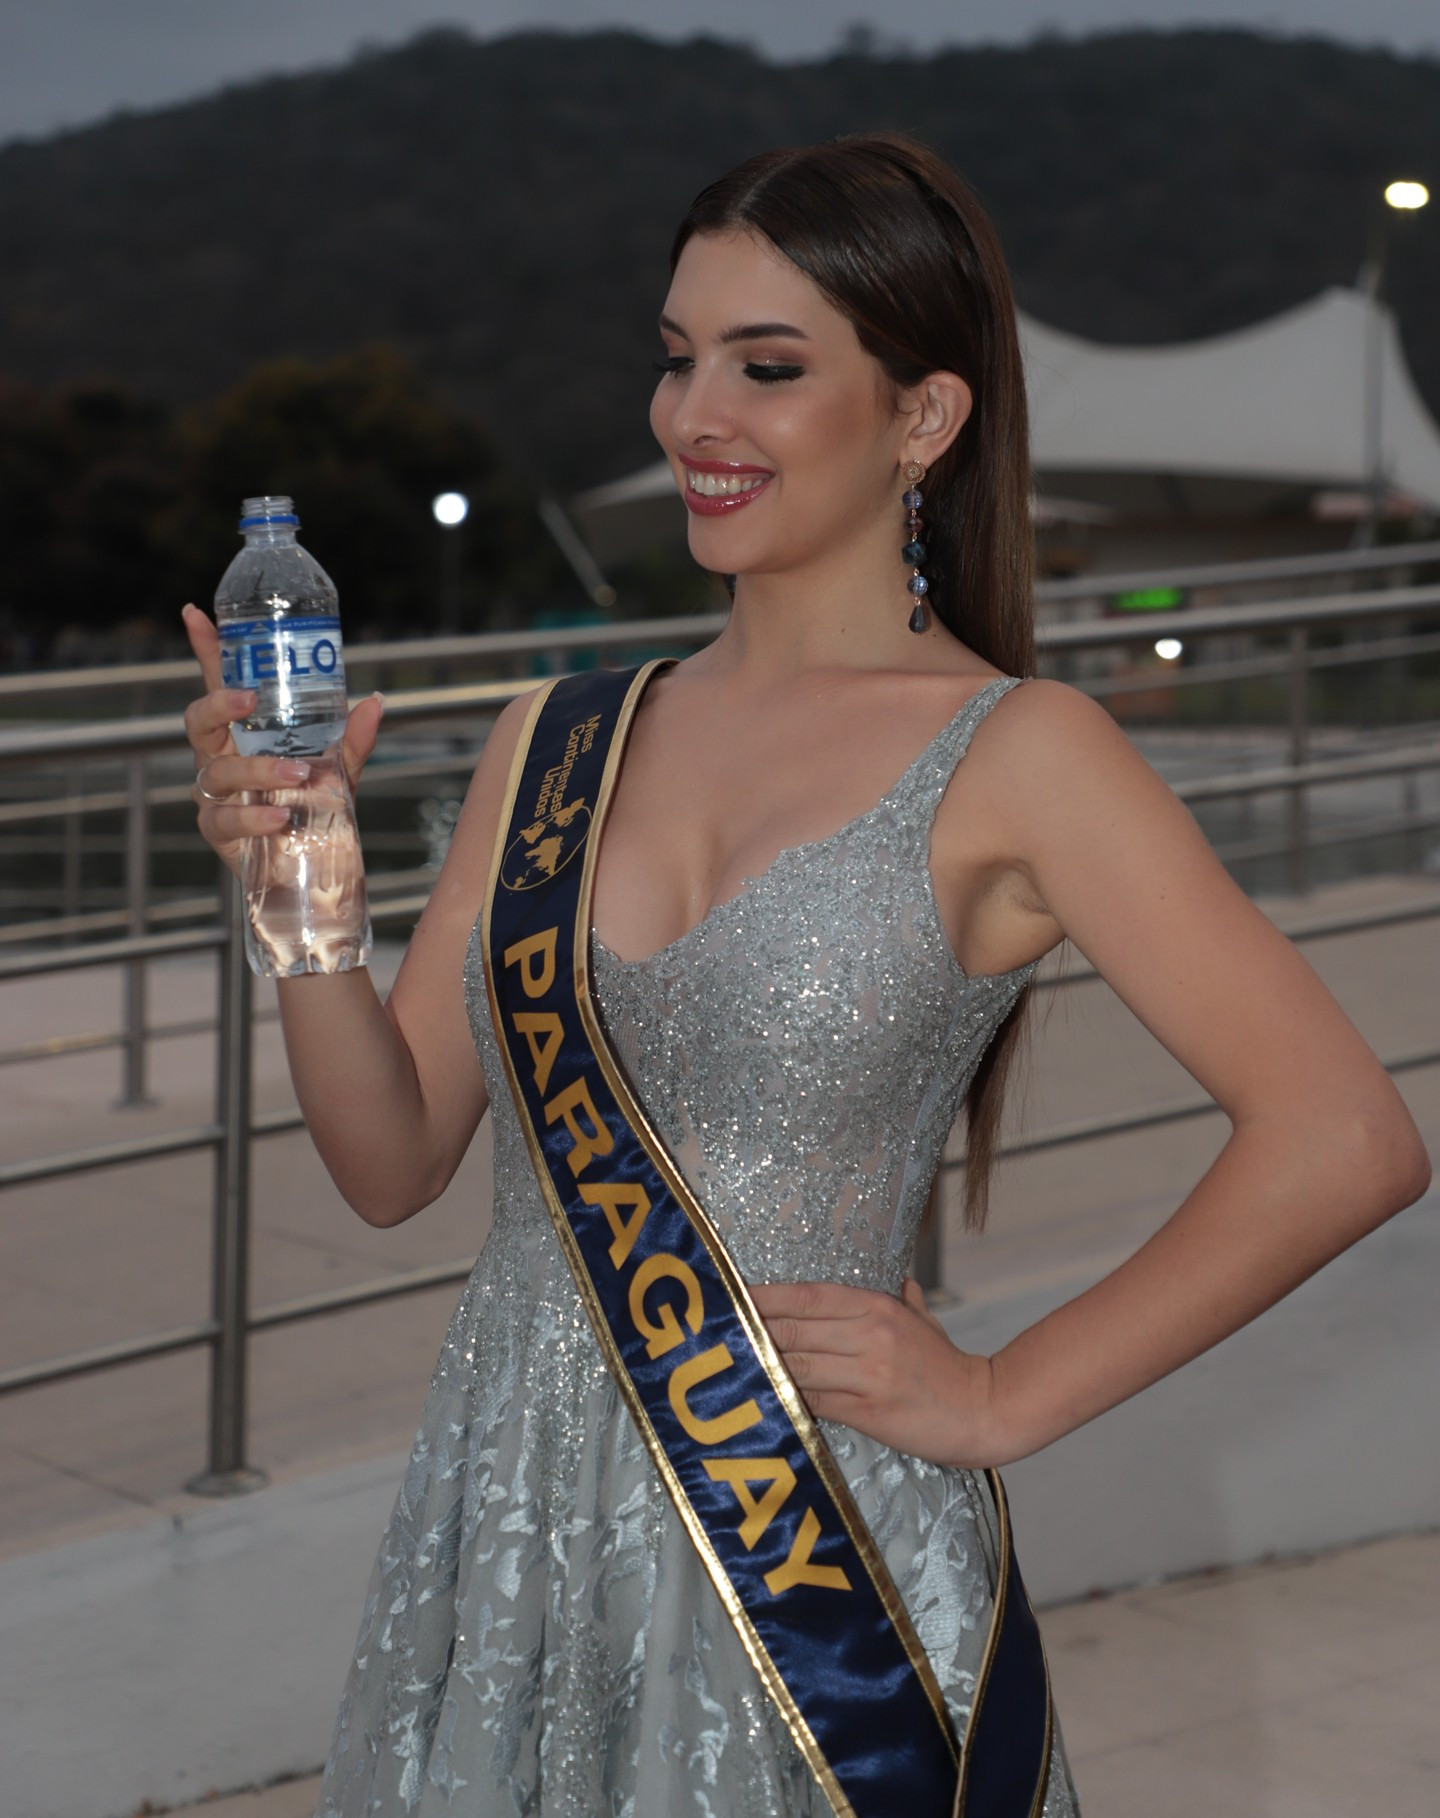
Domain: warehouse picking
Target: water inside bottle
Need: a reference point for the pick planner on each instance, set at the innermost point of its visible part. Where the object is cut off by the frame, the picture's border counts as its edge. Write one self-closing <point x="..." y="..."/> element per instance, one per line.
<point x="305" y="885"/>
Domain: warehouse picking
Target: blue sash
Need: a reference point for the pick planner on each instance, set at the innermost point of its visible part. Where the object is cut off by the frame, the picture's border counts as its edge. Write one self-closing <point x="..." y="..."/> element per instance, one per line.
<point x="750" y="1474"/>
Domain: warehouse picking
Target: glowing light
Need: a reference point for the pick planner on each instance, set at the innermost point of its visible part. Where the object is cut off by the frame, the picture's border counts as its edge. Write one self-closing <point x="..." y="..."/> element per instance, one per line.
<point x="450" y="508"/>
<point x="1169" y="648"/>
<point x="1406" y="195"/>
<point x="1150" y="599"/>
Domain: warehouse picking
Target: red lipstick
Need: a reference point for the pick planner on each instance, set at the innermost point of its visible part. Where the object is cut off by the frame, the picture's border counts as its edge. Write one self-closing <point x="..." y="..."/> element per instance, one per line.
<point x="709" y="505"/>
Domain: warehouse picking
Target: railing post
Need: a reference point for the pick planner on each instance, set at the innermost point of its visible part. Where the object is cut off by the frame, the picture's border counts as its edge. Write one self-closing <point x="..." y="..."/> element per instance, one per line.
<point x="1414" y="838"/>
<point x="137" y="886"/>
<point x="1299" y="801"/>
<point x="74" y="852"/>
<point x="228" y="1474"/>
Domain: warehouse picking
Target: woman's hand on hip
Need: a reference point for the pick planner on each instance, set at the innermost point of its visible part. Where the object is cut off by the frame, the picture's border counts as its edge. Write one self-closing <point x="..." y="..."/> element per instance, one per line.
<point x="886" y="1367"/>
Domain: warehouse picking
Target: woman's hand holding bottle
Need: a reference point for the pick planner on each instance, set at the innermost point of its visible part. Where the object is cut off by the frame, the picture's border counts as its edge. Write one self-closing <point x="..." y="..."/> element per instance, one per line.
<point x="235" y="794"/>
<point x="354" y="1075"/>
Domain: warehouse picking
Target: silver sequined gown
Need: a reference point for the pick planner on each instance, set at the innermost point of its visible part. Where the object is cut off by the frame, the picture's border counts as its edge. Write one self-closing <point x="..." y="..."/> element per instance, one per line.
<point x="539" y="1636"/>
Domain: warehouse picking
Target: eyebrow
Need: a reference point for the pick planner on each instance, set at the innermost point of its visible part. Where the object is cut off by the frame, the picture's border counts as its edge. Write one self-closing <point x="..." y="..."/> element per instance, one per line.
<point x="745" y="331"/>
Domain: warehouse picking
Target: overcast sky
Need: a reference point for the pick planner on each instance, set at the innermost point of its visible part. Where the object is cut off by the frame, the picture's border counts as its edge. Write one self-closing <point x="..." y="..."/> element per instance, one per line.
<point x="68" y="62"/>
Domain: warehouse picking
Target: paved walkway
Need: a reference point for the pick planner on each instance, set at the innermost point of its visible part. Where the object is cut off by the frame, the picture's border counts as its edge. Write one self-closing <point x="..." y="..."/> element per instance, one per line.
<point x="1305" y="1689"/>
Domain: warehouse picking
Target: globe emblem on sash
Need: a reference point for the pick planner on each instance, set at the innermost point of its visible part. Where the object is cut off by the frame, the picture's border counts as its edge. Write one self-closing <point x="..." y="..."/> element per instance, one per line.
<point x="542" y="850"/>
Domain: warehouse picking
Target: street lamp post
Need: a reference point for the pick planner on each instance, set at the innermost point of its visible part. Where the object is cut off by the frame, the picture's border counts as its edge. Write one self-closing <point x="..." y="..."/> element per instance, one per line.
<point x="451" y="510"/>
<point x="1407" y="196"/>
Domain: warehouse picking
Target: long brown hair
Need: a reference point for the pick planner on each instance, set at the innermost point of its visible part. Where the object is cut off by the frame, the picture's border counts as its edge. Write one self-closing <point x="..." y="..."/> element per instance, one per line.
<point x="902" y="247"/>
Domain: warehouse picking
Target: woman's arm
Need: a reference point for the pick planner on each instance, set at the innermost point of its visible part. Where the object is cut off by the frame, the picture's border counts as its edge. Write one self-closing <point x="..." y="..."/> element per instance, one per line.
<point x="1322" y="1147"/>
<point x="392" y="1092"/>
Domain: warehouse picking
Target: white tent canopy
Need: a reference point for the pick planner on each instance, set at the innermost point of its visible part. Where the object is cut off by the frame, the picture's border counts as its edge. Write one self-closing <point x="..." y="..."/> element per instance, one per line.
<point x="1283" y="400"/>
<point x="1280" y="404"/>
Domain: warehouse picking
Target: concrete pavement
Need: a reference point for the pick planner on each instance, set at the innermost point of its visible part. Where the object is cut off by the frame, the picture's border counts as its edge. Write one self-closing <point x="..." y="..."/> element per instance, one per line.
<point x="1303" y="1689"/>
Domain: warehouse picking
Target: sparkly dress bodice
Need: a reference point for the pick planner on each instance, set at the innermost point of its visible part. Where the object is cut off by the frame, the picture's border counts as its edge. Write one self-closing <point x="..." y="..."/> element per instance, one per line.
<point x="540" y="1630"/>
<point x="804" y="1049"/>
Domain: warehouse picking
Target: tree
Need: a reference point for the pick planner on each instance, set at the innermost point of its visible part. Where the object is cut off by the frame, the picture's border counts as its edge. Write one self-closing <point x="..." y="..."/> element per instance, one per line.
<point x="362" y="447"/>
<point x="115" y="510"/>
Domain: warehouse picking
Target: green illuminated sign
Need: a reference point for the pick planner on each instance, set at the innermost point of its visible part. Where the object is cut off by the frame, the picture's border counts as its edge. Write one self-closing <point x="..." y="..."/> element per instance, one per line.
<point x="1150" y="599"/>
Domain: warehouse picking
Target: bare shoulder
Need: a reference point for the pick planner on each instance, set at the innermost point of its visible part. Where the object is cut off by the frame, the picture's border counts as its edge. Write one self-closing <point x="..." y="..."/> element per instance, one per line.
<point x="1044" y="721"/>
<point x="1129" y="876"/>
<point x="460" y="887"/>
<point x="424" y="1001"/>
<point x="1075" y="795"/>
<point x="504" y="735"/>
<point x="479" y="822"/>
<point x="1054" y="758"/>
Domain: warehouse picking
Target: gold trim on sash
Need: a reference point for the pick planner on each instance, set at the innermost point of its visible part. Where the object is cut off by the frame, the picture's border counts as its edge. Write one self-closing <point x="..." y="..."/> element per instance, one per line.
<point x="982" y="1678"/>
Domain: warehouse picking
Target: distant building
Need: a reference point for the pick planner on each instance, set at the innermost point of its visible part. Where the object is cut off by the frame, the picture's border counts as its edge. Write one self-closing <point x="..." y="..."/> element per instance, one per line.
<point x="1266" y="442"/>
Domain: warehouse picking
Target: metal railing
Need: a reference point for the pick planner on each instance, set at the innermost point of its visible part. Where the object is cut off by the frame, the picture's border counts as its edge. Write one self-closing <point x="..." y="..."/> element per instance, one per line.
<point x="1226" y="577"/>
<point x="365" y="659"/>
<point x="234" y="1127"/>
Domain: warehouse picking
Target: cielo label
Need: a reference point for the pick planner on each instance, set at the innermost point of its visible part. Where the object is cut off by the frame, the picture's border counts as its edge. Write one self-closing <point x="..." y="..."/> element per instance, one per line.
<point x="256" y="651"/>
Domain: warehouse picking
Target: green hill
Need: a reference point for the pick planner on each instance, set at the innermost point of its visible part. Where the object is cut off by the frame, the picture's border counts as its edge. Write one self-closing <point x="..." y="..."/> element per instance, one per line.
<point x="500" y="211"/>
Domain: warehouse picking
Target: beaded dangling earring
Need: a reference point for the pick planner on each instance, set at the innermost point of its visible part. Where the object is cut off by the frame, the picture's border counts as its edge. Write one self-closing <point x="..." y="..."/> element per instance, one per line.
<point x="914" y="551"/>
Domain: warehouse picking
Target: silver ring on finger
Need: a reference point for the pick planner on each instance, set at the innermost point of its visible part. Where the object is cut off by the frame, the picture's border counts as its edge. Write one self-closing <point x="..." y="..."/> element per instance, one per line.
<point x="201" y="791"/>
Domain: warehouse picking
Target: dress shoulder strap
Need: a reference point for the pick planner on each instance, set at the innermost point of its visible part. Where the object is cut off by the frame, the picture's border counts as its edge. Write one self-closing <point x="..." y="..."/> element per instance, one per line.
<point x="918" y="793"/>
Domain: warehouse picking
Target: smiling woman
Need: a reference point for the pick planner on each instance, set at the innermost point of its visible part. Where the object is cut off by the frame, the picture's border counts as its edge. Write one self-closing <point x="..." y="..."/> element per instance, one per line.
<point x="703" y="1512"/>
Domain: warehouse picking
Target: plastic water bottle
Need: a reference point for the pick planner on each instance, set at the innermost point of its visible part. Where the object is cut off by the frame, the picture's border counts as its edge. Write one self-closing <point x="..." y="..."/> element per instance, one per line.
<point x="278" y="615"/>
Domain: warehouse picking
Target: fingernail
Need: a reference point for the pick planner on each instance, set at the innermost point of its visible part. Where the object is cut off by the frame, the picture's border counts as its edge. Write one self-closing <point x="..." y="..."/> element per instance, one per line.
<point x="293" y="769"/>
<point x="377" y="696"/>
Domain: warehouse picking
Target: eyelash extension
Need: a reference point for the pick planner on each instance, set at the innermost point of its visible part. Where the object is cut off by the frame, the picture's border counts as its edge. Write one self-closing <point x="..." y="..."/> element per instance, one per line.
<point x="763" y="375"/>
